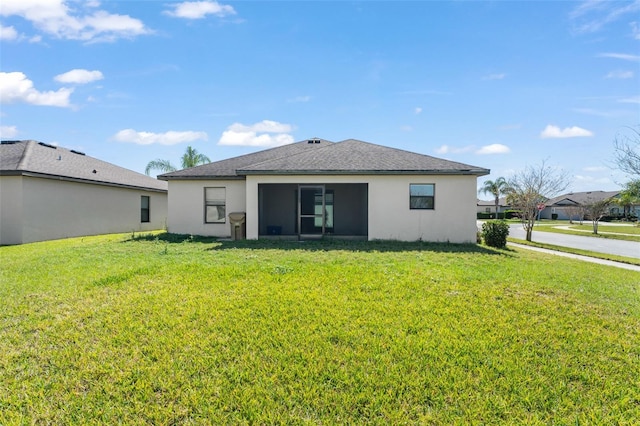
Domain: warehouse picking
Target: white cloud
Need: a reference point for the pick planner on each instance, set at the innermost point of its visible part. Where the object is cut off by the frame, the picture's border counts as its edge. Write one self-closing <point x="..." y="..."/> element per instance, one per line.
<point x="592" y="15"/>
<point x="495" y="148"/>
<point x="8" y="132"/>
<point x="635" y="30"/>
<point x="15" y="87"/>
<point x="168" y="138"/>
<point x="8" y="33"/>
<point x="494" y="76"/>
<point x="200" y="9"/>
<point x="79" y="76"/>
<point x="568" y="132"/>
<point x="266" y="133"/>
<point x="417" y="110"/>
<point x="631" y="100"/>
<point x="623" y="56"/>
<point x="620" y="74"/>
<point x="446" y="149"/>
<point x="56" y="18"/>
<point x="594" y="169"/>
<point x="598" y="113"/>
<point x="580" y="179"/>
<point x="299" y="99"/>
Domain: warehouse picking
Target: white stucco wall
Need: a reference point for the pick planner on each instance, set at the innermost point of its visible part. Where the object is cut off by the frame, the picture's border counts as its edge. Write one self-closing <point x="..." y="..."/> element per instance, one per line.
<point x="10" y="210"/>
<point x="186" y="206"/>
<point x="52" y="209"/>
<point x="452" y="220"/>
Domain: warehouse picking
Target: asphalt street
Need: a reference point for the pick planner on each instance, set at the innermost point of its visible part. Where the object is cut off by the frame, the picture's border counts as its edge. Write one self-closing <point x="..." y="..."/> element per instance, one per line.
<point x="601" y="245"/>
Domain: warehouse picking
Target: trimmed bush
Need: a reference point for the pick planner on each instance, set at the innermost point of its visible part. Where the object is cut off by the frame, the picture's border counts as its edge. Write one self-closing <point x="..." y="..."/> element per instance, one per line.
<point x="495" y="232"/>
<point x="510" y="214"/>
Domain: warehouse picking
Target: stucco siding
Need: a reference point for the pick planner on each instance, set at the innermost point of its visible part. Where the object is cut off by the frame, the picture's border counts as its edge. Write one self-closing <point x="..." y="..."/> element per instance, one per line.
<point x="187" y="209"/>
<point x="453" y="219"/>
<point x="10" y="210"/>
<point x="53" y="209"/>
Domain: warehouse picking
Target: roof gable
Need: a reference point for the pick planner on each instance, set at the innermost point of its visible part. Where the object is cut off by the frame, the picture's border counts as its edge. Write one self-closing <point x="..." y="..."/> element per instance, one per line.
<point x="49" y="161"/>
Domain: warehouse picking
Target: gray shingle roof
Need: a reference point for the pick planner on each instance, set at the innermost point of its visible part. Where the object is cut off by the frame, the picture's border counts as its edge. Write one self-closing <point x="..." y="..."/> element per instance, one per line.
<point x="43" y="160"/>
<point x="579" y="198"/>
<point x="228" y="168"/>
<point x="502" y="201"/>
<point x="347" y="157"/>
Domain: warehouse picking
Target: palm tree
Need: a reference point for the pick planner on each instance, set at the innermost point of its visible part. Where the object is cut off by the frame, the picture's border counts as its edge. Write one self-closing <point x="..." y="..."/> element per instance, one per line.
<point x="496" y="188"/>
<point x="190" y="158"/>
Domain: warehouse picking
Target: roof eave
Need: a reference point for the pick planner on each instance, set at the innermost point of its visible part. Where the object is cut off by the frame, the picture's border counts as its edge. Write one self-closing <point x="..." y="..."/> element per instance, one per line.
<point x="475" y="172"/>
<point x="78" y="180"/>
<point x="207" y="177"/>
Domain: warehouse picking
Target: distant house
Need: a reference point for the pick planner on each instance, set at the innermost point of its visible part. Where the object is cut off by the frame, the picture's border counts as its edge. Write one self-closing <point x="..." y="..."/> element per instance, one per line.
<point x="566" y="206"/>
<point x="489" y="206"/>
<point x="48" y="192"/>
<point x="317" y="188"/>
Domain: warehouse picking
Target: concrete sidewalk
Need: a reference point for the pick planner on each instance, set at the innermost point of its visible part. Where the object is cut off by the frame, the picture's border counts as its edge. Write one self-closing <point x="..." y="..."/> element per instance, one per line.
<point x="577" y="256"/>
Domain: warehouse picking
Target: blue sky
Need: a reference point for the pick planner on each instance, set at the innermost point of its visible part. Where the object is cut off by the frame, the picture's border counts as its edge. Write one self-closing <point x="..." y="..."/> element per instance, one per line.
<point x="501" y="84"/>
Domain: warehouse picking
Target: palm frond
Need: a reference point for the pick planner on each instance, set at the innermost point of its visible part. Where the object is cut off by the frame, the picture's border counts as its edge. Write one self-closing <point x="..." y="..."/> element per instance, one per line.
<point x="163" y="166"/>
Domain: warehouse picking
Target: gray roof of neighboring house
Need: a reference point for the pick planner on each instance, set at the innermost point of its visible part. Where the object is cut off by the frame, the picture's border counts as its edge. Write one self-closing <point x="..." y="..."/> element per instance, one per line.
<point x="501" y="202"/>
<point x="347" y="157"/>
<point x="579" y="198"/>
<point x="31" y="158"/>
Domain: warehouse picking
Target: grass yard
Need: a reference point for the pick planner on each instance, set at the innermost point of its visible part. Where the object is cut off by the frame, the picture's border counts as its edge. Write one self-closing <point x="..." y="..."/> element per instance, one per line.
<point x="615" y="232"/>
<point x="174" y="330"/>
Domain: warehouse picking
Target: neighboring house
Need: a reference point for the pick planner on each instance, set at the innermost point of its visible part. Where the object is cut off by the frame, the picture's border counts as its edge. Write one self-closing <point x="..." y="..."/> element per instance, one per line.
<point x="490" y="206"/>
<point x="566" y="206"/>
<point x="49" y="192"/>
<point x="318" y="188"/>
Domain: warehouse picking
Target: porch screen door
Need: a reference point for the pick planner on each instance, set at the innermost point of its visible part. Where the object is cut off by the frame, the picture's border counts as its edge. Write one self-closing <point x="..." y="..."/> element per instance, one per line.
<point x="311" y="210"/>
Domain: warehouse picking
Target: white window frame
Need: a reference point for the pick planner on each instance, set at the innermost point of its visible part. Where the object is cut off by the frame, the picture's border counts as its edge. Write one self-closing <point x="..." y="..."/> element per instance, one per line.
<point x="215" y="196"/>
<point x="416" y="195"/>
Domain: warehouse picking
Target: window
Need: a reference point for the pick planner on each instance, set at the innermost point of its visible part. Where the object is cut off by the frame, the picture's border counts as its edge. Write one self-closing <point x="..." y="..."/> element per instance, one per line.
<point x="422" y="196"/>
<point x="214" y="205"/>
<point x="144" y="208"/>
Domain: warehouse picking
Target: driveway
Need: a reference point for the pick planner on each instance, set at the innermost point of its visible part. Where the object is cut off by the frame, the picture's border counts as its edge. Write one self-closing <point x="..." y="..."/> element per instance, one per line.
<point x="601" y="245"/>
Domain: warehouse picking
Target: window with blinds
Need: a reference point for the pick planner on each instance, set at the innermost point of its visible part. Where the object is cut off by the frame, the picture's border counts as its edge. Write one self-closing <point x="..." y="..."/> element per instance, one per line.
<point x="214" y="205"/>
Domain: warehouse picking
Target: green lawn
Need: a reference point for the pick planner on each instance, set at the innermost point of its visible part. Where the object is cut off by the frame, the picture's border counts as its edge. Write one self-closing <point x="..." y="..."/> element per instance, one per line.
<point x="604" y="231"/>
<point x="176" y="330"/>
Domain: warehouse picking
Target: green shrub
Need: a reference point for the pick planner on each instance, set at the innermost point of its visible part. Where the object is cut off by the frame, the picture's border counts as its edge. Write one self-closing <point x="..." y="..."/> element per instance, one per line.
<point x="510" y="214"/>
<point x="495" y="232"/>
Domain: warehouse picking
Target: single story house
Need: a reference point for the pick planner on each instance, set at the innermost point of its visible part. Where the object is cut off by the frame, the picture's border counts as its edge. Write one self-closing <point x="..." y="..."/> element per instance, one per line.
<point x="316" y="188"/>
<point x="568" y="206"/>
<point x="49" y="192"/>
<point x="489" y="206"/>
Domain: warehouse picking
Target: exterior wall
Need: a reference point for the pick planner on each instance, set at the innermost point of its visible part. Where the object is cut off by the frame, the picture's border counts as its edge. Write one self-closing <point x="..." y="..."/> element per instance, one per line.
<point x="452" y="220"/>
<point x="186" y="206"/>
<point x="52" y="209"/>
<point x="389" y="216"/>
<point x="10" y="210"/>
